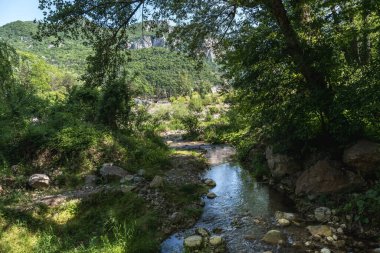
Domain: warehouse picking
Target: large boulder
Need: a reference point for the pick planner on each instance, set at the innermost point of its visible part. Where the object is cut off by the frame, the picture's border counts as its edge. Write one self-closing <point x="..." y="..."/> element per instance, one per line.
<point x="364" y="156"/>
<point x="273" y="237"/>
<point x="111" y="172"/>
<point x="327" y="177"/>
<point x="280" y="165"/>
<point x="38" y="181"/>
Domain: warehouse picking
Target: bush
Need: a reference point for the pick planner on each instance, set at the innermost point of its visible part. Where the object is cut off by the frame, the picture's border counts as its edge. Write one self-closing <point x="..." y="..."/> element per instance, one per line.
<point x="365" y="206"/>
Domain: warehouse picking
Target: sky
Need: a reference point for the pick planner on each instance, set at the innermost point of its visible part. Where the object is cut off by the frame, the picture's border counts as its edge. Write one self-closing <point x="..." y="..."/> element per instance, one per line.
<point x="24" y="10"/>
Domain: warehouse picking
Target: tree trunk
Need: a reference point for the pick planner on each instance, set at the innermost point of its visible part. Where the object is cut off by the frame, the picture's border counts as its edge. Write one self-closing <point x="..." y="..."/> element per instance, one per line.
<point x="315" y="80"/>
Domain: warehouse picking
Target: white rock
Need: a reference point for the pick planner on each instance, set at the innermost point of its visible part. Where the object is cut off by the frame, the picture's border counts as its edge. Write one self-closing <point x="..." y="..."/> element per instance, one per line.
<point x="38" y="181"/>
<point x="283" y="215"/>
<point x="194" y="241"/>
<point x="283" y="222"/>
<point x="325" y="250"/>
<point x="216" y="240"/>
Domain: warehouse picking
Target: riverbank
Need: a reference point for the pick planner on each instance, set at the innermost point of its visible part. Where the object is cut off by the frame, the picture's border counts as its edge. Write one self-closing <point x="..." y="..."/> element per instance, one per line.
<point x="115" y="210"/>
<point x="339" y="192"/>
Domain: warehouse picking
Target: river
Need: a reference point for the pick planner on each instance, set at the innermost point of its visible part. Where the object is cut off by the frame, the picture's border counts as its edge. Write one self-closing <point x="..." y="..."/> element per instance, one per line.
<point x="241" y="213"/>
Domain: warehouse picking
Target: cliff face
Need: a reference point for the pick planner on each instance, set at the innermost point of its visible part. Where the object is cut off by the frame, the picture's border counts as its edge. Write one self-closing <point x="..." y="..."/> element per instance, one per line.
<point x="148" y="41"/>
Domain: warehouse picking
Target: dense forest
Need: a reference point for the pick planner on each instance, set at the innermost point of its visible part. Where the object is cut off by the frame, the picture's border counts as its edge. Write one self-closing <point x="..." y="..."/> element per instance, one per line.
<point x="96" y="100"/>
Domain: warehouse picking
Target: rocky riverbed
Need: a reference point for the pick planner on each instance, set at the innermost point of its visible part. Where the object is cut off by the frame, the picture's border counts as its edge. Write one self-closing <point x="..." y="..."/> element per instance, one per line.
<point x="243" y="215"/>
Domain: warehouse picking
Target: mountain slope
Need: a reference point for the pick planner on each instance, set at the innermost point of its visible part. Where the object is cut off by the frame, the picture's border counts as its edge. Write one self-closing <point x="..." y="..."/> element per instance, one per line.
<point x="157" y="70"/>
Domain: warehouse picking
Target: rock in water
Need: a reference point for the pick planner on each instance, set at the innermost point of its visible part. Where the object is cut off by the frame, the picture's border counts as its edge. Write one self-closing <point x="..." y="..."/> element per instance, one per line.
<point x="157" y="182"/>
<point x="202" y="232"/>
<point x="193" y="242"/>
<point x="320" y="230"/>
<point x="209" y="182"/>
<point x="38" y="181"/>
<point x="216" y="240"/>
<point x="111" y="172"/>
<point x="273" y="237"/>
<point x="322" y="214"/>
<point x="211" y="195"/>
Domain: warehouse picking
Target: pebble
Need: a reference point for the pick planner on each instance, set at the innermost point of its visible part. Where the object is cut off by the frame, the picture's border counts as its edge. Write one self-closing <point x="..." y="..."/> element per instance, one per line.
<point x="330" y="239"/>
<point x="339" y="230"/>
<point x="307" y="244"/>
<point x="335" y="237"/>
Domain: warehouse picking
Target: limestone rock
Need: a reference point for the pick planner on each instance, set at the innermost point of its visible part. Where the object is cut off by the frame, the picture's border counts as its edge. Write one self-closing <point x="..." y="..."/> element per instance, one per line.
<point x="284" y="215"/>
<point x="322" y="214"/>
<point x="111" y="172"/>
<point x="280" y="165"/>
<point x="38" y="181"/>
<point x="325" y="250"/>
<point x="283" y="222"/>
<point x="193" y="242"/>
<point x="327" y="177"/>
<point x="157" y="182"/>
<point x="216" y="240"/>
<point x="364" y="156"/>
<point x="202" y="232"/>
<point x="211" y="195"/>
<point x="320" y="230"/>
<point x="273" y="237"/>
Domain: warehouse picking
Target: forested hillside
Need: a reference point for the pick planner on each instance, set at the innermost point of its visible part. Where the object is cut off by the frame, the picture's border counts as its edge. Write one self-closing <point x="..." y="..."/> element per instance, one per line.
<point x="119" y="134"/>
<point x="156" y="70"/>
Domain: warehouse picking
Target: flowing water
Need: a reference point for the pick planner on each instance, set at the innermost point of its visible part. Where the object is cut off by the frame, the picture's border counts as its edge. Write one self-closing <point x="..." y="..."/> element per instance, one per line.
<point x="240" y="204"/>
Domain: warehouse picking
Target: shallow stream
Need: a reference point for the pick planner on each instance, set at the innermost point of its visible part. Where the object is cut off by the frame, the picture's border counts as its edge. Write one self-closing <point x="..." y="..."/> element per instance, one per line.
<point x="242" y="212"/>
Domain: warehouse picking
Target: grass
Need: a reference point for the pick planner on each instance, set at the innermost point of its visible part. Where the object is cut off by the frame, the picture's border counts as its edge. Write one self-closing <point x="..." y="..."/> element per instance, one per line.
<point x="113" y="222"/>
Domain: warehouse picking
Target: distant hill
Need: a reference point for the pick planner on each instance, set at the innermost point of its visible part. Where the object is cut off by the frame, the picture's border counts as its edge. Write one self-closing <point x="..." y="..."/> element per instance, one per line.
<point x="158" y="71"/>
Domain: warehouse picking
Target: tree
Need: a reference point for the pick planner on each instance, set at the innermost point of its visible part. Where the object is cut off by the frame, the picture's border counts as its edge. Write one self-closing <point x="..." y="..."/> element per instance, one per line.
<point x="297" y="65"/>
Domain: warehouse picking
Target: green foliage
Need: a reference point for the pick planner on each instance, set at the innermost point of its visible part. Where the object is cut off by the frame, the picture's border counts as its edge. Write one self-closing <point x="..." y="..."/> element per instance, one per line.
<point x="151" y="71"/>
<point x="365" y="206"/>
<point x="116" y="222"/>
<point x="115" y="104"/>
<point x="191" y="125"/>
